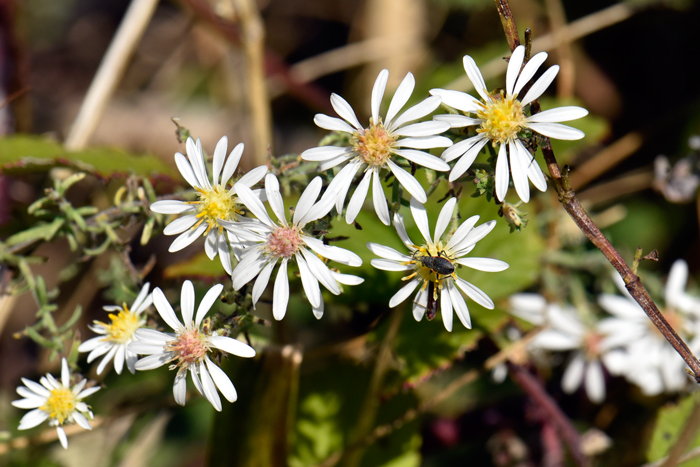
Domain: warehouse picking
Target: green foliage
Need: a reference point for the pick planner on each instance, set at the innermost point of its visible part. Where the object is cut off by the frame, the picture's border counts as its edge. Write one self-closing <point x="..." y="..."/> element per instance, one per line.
<point x="669" y="424"/>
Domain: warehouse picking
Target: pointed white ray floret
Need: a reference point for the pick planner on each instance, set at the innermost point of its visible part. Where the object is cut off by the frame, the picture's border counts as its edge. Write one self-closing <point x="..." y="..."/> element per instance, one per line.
<point x="501" y="117"/>
<point x="189" y="347"/>
<point x="114" y="337"/>
<point x="377" y="146"/>
<point x="216" y="201"/>
<point x="280" y="241"/>
<point x="56" y="401"/>
<point x="450" y="252"/>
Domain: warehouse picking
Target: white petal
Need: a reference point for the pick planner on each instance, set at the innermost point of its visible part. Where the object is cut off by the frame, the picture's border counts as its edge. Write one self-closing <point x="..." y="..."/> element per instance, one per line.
<point x="419" y="110"/>
<point x="31" y="403"/>
<point x="165" y="310"/>
<point x="475" y="293"/>
<point x="274" y="198"/>
<point x="171" y="206"/>
<point x="340" y="255"/>
<point x="232" y="346"/>
<point x="329" y="164"/>
<point x="188" y="238"/>
<point x="209" y="388"/>
<point x="446" y="310"/>
<point x="280" y="297"/>
<point x="219" y="156"/>
<point x="151" y="336"/>
<point x="387" y="265"/>
<point x="378" y="93"/>
<point x="196" y="158"/>
<point x="401" y="230"/>
<point x="232" y="163"/>
<point x="541" y="85"/>
<point x="318" y="311"/>
<point x="222" y="381"/>
<point x="87" y="392"/>
<point x="420" y="216"/>
<point x="444" y="218"/>
<point x="100" y="350"/>
<point x="205" y="305"/>
<point x="340" y="185"/>
<point x="90" y="344"/>
<point x="457" y="121"/>
<point x="516" y="61"/>
<point x="676" y="282"/>
<point x="307" y="199"/>
<point x="424" y="142"/>
<point x="320" y="271"/>
<point x="420" y="303"/>
<point x="518" y="170"/>
<point x="595" y="382"/>
<point x="186" y="170"/>
<point x="309" y="282"/>
<point x="224" y="253"/>
<point x="573" y="376"/>
<point x="475" y="77"/>
<point x="62" y="438"/>
<point x="484" y="264"/>
<point x="187" y="302"/>
<point x="324" y="153"/>
<point x="65" y="372"/>
<point x="358" y="198"/>
<point x="551" y="339"/>
<point x="387" y="252"/>
<point x="32" y="419"/>
<point x="253" y="203"/>
<point x="408" y="181"/>
<point x="528" y="72"/>
<point x="345" y="111"/>
<point x="253" y="177"/>
<point x="403" y="293"/>
<point x="401" y="96"/>
<point x="423" y="159"/>
<point x="378" y="198"/>
<point x="261" y="281"/>
<point x="502" y="173"/>
<point x="560" y="114"/>
<point x="347" y="279"/>
<point x="180" y="388"/>
<point x="534" y="173"/>
<point x="152" y="362"/>
<point x="146" y="348"/>
<point x="250" y="265"/>
<point x="333" y="124"/>
<point x="107" y="358"/>
<point x="424" y="128"/>
<point x="143" y="299"/>
<point x="81" y="421"/>
<point x="557" y="131"/>
<point x="457" y="100"/>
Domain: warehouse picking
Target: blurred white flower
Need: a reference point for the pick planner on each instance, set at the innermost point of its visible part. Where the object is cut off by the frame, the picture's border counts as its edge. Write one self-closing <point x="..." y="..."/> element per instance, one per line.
<point x="55" y="401"/>
<point x="116" y="336"/>
<point x="439" y="279"/>
<point x="653" y="364"/>
<point x="501" y="117"/>
<point x="281" y="241"/>
<point x="378" y="145"/>
<point x="215" y="201"/>
<point x="188" y="348"/>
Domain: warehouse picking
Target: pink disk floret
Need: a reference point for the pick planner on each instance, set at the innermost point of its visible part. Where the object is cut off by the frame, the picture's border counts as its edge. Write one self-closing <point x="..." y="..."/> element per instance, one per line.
<point x="284" y="242"/>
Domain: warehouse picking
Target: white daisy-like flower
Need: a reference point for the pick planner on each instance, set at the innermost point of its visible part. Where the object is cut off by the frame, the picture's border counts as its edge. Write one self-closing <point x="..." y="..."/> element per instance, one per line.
<point x="433" y="265"/>
<point x="567" y="331"/>
<point x="283" y="240"/>
<point x="500" y="117"/>
<point x="654" y="365"/>
<point x="56" y="401"/>
<point x="215" y="202"/>
<point x="188" y="348"/>
<point x="114" y="338"/>
<point x="377" y="146"/>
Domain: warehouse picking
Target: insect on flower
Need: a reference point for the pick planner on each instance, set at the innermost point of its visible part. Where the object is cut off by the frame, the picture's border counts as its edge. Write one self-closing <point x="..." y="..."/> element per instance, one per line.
<point x="440" y="265"/>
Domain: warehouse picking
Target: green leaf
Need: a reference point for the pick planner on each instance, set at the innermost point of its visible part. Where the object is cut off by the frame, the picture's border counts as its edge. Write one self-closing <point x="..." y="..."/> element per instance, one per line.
<point x="669" y="424"/>
<point x="24" y="153"/>
<point x="198" y="265"/>
<point x="40" y="232"/>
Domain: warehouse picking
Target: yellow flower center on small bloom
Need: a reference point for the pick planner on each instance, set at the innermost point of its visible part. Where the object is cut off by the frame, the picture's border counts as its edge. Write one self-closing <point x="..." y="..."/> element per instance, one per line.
<point x="216" y="203"/>
<point x="374" y="144"/>
<point x="189" y="347"/>
<point x="123" y="326"/>
<point x="284" y="242"/>
<point x="426" y="272"/>
<point x="501" y="119"/>
<point x="60" y="404"/>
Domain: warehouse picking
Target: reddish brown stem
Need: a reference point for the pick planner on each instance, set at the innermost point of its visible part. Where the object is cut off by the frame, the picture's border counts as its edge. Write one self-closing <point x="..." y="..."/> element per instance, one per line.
<point x="508" y="23"/>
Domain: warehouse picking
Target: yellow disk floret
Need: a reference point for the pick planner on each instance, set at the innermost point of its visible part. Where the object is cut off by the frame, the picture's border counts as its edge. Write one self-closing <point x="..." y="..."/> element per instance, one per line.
<point x="123" y="326"/>
<point x="501" y="119"/>
<point x="374" y="144"/>
<point x="216" y="203"/>
<point x="60" y="404"/>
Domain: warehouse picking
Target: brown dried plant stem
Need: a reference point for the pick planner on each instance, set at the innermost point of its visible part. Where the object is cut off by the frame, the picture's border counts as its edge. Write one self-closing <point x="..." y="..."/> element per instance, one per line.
<point x="571" y="204"/>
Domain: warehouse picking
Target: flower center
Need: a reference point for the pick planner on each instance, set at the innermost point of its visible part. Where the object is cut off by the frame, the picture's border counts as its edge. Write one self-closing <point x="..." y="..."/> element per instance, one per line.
<point x="374" y="144"/>
<point x="591" y="345"/>
<point x="284" y="242"/>
<point x="190" y="347"/>
<point x="60" y="404"/>
<point x="501" y="119"/>
<point x="123" y="326"/>
<point x="216" y="203"/>
<point x="432" y="262"/>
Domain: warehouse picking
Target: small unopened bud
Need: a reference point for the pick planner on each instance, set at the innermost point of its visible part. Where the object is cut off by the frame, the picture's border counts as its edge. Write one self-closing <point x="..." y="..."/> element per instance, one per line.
<point x="516" y="218"/>
<point x="485" y="184"/>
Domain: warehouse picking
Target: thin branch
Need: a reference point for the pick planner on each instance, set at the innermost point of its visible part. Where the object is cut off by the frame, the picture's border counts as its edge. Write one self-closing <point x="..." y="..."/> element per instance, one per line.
<point x="110" y="72"/>
<point x="508" y="23"/>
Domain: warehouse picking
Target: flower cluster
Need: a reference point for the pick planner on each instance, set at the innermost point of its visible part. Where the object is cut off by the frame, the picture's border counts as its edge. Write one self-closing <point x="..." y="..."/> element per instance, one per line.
<point x="625" y="344"/>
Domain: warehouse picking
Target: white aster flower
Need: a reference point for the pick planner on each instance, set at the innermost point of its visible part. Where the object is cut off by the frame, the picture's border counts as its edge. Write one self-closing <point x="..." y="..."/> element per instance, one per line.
<point x="281" y="241"/>
<point x="55" y="401"/>
<point x="116" y="336"/>
<point x="653" y="364"/>
<point x="215" y="201"/>
<point x="188" y="348"/>
<point x="377" y="146"/>
<point x="438" y="279"/>
<point x="501" y="117"/>
<point x="567" y="331"/>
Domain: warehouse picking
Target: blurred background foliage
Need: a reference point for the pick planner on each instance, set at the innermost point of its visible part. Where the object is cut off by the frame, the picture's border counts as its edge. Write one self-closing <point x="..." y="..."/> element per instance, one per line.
<point x="321" y="387"/>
